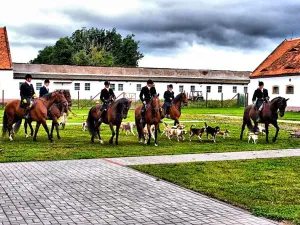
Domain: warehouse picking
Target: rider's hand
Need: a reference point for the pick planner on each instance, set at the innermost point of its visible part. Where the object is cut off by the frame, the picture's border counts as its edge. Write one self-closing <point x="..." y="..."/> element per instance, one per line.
<point x="24" y="101"/>
<point x="144" y="102"/>
<point x="253" y="103"/>
<point x="34" y="95"/>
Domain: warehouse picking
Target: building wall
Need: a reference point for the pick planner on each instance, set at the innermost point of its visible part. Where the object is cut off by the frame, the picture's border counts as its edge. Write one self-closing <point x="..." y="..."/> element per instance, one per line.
<point x="9" y="85"/>
<point x="282" y="83"/>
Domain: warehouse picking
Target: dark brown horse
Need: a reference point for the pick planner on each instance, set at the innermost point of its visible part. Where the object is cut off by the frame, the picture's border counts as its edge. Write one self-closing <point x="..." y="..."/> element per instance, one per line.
<point x="13" y="114"/>
<point x="269" y="116"/>
<point x="175" y="108"/>
<point x="114" y="116"/>
<point x="54" y="113"/>
<point x="152" y="116"/>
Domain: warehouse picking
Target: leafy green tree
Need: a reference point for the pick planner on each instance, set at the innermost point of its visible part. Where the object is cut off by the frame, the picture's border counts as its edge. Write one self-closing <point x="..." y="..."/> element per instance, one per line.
<point x="81" y="58"/>
<point x="45" y="56"/>
<point x="63" y="52"/>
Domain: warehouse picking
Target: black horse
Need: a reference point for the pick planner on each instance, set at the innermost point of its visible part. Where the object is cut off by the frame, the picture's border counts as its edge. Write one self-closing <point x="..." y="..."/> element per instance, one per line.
<point x="114" y="116"/>
<point x="269" y="116"/>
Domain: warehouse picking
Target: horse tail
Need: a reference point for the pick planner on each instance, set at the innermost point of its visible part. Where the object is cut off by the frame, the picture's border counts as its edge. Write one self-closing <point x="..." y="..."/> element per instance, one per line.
<point x="5" y="124"/>
<point x="249" y="125"/>
<point x="247" y="120"/>
<point x="91" y="123"/>
<point x="17" y="125"/>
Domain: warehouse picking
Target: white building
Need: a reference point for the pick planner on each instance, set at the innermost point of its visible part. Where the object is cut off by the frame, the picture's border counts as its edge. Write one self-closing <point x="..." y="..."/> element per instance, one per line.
<point x="87" y="81"/>
<point x="280" y="72"/>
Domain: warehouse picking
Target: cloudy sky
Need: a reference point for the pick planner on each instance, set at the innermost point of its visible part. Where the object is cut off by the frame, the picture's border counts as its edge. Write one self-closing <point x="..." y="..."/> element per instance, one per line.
<point x="215" y="34"/>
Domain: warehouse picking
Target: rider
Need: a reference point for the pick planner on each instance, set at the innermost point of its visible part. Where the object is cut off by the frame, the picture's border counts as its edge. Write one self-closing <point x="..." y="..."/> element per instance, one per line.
<point x="105" y="95"/>
<point x="27" y="93"/>
<point x="45" y="89"/>
<point x="146" y="94"/>
<point x="168" y="96"/>
<point x="259" y="97"/>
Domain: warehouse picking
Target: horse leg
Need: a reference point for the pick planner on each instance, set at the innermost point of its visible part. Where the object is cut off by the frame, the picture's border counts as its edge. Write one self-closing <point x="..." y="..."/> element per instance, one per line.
<point x="31" y="129"/>
<point x="149" y="133"/>
<point x="243" y="128"/>
<point x="38" y="124"/>
<point x="113" y="133"/>
<point x="52" y="128"/>
<point x="156" y="128"/>
<point x="98" y="133"/>
<point x="47" y="130"/>
<point x="117" y="133"/>
<point x="25" y="128"/>
<point x="10" y="129"/>
<point x="275" y="124"/>
<point x="267" y="132"/>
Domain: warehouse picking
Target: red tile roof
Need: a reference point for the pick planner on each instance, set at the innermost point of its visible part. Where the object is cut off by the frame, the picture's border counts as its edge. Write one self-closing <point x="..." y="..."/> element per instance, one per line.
<point x="284" y="60"/>
<point x="5" y="58"/>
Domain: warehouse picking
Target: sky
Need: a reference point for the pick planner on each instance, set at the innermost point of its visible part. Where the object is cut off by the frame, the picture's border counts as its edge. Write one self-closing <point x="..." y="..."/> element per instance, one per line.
<point x="192" y="34"/>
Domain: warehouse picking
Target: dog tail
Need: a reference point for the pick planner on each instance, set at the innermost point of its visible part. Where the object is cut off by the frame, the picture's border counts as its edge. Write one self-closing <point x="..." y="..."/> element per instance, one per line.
<point x="165" y="124"/>
<point x="192" y="126"/>
<point x="205" y="124"/>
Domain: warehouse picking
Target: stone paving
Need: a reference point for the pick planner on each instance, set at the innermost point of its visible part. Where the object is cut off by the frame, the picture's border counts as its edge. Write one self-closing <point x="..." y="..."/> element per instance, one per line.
<point x="142" y="160"/>
<point x="100" y="192"/>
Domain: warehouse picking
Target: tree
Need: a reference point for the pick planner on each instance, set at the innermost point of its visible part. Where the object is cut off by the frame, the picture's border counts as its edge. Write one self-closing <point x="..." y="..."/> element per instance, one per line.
<point x="92" y="47"/>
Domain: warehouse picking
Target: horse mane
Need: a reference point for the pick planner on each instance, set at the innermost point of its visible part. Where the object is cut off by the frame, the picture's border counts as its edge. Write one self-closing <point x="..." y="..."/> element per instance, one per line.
<point x="177" y="98"/>
<point x="47" y="96"/>
<point x="120" y="102"/>
<point x="277" y="98"/>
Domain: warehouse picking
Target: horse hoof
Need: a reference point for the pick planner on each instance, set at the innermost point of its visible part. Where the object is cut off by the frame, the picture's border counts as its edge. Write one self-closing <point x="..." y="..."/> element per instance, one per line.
<point x="58" y="137"/>
<point x="117" y="143"/>
<point x="26" y="135"/>
<point x="51" y="140"/>
<point x="273" y="139"/>
<point x="34" y="139"/>
<point x="101" y="142"/>
<point x="11" y="139"/>
<point x="155" y="145"/>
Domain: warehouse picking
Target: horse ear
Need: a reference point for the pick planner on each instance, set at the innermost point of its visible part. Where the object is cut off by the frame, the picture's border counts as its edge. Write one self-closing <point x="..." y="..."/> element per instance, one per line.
<point x="287" y="99"/>
<point x="157" y="94"/>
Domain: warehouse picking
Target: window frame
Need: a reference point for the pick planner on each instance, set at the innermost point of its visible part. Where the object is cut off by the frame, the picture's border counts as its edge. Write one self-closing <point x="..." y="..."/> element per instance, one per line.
<point x="38" y="86"/>
<point x="193" y="88"/>
<point x="138" y="87"/>
<point x="208" y="89"/>
<point x="77" y="85"/>
<point x="113" y="86"/>
<point x="273" y="92"/>
<point x="181" y="87"/>
<point x="120" y="85"/>
<point x="220" y="87"/>
<point x="234" y="89"/>
<point x="288" y="86"/>
<point x="85" y="86"/>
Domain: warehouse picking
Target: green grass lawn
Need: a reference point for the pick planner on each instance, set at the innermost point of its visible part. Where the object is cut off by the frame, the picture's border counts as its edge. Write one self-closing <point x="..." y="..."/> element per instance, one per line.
<point x="266" y="187"/>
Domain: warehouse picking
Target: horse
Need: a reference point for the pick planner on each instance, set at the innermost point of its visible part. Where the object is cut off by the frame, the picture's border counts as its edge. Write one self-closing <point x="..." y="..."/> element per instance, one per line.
<point x="54" y="113"/>
<point x="13" y="114"/>
<point x="114" y="116"/>
<point x="152" y="116"/>
<point x="269" y="116"/>
<point x="175" y="108"/>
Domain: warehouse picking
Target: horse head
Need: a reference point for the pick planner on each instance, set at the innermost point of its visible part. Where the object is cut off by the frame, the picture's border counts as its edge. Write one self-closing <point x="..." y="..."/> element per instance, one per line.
<point x="123" y="107"/>
<point x="184" y="98"/>
<point x="67" y="95"/>
<point x="155" y="104"/>
<point x="59" y="97"/>
<point x="281" y="104"/>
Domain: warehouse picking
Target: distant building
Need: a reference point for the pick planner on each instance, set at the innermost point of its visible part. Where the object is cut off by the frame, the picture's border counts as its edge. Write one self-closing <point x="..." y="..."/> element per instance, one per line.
<point x="280" y="72"/>
<point x="87" y="81"/>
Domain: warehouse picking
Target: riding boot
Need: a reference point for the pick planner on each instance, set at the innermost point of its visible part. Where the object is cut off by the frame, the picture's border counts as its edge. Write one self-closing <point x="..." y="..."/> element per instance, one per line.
<point x="143" y="111"/>
<point x="101" y="117"/>
<point x="259" y="119"/>
<point x="26" y="114"/>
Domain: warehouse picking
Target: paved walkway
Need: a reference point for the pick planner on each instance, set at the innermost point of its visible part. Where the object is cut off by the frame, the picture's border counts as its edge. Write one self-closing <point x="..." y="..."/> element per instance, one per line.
<point x="141" y="160"/>
<point x="99" y="192"/>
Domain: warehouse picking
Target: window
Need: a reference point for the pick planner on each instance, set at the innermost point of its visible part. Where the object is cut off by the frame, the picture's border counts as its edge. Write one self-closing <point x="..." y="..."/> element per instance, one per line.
<point x="290" y="89"/>
<point x="192" y="88"/>
<point x="113" y="87"/>
<point x="275" y="90"/>
<point x="234" y="89"/>
<point x="220" y="89"/>
<point x="180" y="88"/>
<point x="77" y="86"/>
<point x="20" y="85"/>
<point x="245" y="90"/>
<point x="120" y="87"/>
<point x="38" y="86"/>
<point x="138" y="87"/>
<point x="87" y="86"/>
<point x="208" y="89"/>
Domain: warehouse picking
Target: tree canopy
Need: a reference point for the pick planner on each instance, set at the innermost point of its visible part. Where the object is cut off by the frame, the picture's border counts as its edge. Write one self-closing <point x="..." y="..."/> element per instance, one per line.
<point x="92" y="47"/>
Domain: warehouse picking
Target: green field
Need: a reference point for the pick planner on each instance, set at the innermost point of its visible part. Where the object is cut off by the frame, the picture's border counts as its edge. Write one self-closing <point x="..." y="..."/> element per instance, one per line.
<point x="266" y="187"/>
<point x="75" y="144"/>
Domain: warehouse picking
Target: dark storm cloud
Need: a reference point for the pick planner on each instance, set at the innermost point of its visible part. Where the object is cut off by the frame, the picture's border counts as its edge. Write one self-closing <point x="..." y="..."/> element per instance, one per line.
<point x="171" y="23"/>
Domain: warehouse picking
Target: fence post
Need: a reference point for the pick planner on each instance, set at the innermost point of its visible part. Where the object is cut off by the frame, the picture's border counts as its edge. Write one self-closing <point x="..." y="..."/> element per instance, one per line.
<point x="246" y="100"/>
<point x="238" y="100"/>
<point x="78" y="101"/>
<point x="222" y="99"/>
<point x="206" y="99"/>
<point x="2" y="98"/>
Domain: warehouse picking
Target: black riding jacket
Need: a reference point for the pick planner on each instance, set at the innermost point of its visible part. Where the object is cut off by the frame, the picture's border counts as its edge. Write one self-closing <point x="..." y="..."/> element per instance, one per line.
<point x="26" y="91"/>
<point x="260" y="95"/>
<point x="105" y="94"/>
<point x="43" y="91"/>
<point x="169" y="96"/>
<point x="146" y="94"/>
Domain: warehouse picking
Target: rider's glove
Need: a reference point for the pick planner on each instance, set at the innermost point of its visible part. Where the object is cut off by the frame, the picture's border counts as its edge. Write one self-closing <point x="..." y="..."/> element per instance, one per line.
<point x="34" y="95"/>
<point x="144" y="102"/>
<point x="24" y="100"/>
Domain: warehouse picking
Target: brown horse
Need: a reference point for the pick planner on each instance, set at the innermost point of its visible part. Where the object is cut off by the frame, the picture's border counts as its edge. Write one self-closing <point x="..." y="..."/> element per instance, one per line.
<point x="175" y="108"/>
<point x="13" y="114"/>
<point x="114" y="116"/>
<point x="152" y="116"/>
<point x="269" y="116"/>
<point x="54" y="113"/>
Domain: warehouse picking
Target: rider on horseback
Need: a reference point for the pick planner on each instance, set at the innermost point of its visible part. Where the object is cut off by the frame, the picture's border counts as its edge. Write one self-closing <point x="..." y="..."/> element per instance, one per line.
<point x="168" y="96"/>
<point x="146" y="94"/>
<point x="27" y="93"/>
<point x="106" y="94"/>
<point x="45" y="89"/>
<point x="260" y="96"/>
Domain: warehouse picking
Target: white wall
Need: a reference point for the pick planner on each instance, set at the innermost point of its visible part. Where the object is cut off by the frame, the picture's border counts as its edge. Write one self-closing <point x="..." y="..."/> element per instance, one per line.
<point x="9" y="85"/>
<point x="282" y="82"/>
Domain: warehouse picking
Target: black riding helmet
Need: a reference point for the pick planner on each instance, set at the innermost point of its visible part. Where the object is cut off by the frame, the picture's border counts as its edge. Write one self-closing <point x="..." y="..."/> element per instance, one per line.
<point x="260" y="83"/>
<point x="106" y="82"/>
<point x="47" y="81"/>
<point x="28" y="76"/>
<point x="149" y="81"/>
<point x="170" y="86"/>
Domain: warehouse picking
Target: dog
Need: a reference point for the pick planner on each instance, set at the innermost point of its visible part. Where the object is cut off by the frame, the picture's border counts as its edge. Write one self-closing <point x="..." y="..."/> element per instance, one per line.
<point x="253" y="137"/>
<point x="212" y="131"/>
<point x="178" y="132"/>
<point x="127" y="127"/>
<point x="196" y="131"/>
<point x="146" y="133"/>
<point x="261" y="130"/>
<point x="84" y="125"/>
<point x="166" y="129"/>
<point x="224" y="133"/>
